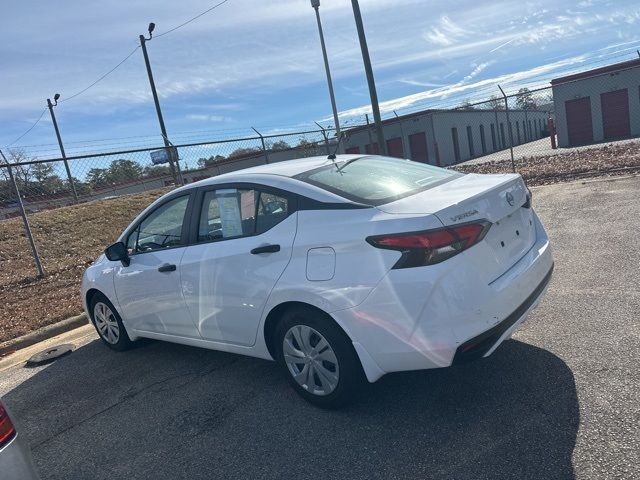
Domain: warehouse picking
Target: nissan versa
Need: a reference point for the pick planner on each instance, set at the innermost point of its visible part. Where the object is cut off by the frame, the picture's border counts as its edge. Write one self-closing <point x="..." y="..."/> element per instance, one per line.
<point x="340" y="268"/>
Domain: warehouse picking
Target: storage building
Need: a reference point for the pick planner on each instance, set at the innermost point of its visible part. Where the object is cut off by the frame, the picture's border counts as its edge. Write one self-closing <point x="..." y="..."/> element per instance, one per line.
<point x="598" y="105"/>
<point x="447" y="137"/>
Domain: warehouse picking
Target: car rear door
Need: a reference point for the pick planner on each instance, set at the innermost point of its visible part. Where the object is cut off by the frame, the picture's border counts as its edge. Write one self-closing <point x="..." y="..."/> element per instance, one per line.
<point x="149" y="289"/>
<point x="243" y="239"/>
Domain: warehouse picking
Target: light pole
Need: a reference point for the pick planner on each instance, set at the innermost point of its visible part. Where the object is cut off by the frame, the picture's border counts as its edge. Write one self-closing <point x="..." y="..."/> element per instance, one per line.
<point x="316" y="6"/>
<point x="369" y="71"/>
<point x="163" y="130"/>
<point x="62" y="152"/>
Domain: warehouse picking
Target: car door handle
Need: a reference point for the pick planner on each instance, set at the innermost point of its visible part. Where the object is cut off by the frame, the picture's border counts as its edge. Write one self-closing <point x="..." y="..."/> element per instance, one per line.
<point x="266" y="249"/>
<point x="167" y="267"/>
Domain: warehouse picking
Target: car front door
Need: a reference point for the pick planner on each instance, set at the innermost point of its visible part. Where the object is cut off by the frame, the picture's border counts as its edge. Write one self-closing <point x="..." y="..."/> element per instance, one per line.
<point x="244" y="242"/>
<point x="149" y="290"/>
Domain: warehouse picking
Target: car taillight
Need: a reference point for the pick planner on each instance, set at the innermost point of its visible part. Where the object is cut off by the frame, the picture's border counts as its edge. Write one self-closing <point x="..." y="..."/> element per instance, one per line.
<point x="7" y="430"/>
<point x="431" y="246"/>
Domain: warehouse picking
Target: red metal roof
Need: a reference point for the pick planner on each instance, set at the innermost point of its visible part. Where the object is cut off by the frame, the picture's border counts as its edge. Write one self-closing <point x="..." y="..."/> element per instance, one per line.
<point x="616" y="67"/>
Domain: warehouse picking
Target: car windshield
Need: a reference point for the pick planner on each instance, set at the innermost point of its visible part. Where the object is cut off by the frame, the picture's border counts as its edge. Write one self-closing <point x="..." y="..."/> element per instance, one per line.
<point x="376" y="180"/>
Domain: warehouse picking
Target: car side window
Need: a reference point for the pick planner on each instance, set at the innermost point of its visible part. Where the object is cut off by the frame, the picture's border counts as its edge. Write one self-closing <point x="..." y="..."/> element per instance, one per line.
<point x="162" y="228"/>
<point x="227" y="213"/>
<point x="232" y="213"/>
<point x="272" y="209"/>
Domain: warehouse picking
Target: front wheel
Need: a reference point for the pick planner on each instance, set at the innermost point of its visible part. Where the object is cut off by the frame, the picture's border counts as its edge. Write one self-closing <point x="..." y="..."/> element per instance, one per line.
<point x="108" y="323"/>
<point x="318" y="358"/>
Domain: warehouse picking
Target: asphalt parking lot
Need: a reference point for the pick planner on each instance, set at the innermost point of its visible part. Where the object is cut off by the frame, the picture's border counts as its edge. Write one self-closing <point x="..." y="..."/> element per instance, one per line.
<point x="559" y="401"/>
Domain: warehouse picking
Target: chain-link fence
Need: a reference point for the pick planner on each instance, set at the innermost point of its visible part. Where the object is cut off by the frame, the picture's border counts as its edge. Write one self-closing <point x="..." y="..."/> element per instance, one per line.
<point x="48" y="184"/>
<point x="583" y="124"/>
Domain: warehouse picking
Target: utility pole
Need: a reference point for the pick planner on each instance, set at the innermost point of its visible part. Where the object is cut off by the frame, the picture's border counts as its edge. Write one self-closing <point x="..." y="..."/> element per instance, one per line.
<point x="163" y="130"/>
<point x="377" y="119"/>
<point x="62" y="152"/>
<point x="316" y="6"/>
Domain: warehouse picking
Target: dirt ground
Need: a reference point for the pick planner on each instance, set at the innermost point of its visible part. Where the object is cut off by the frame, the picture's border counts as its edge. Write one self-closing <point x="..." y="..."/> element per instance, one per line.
<point x="70" y="238"/>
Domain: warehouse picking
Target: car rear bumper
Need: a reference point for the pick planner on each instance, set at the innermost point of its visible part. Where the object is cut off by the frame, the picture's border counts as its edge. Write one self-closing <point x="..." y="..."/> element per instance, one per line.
<point x="481" y="345"/>
<point x="417" y="320"/>
<point x="15" y="461"/>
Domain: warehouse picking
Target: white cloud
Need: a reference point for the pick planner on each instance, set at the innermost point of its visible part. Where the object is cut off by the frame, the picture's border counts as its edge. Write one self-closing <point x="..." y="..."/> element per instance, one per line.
<point x="208" y="118"/>
<point x="447" y="33"/>
<point x="438" y="94"/>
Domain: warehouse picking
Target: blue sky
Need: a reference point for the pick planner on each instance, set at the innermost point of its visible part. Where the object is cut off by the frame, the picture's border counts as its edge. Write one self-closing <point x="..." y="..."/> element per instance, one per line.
<point x="251" y="63"/>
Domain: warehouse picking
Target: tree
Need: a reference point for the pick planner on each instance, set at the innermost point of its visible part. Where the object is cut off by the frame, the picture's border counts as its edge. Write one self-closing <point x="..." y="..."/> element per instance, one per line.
<point x="82" y="188"/>
<point x="22" y="173"/>
<point x="306" y="147"/>
<point x="98" y="176"/>
<point x="496" y="103"/>
<point x="240" y="152"/>
<point x="280" y="145"/>
<point x="46" y="180"/>
<point x="122" y="170"/>
<point x="42" y="171"/>
<point x="156" y="170"/>
<point x="466" y="105"/>
<point x="208" y="162"/>
<point x="525" y="100"/>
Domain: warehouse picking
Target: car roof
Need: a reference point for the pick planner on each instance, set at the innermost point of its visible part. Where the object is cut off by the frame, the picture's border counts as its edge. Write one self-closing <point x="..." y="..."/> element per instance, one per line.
<point x="286" y="168"/>
<point x="278" y="175"/>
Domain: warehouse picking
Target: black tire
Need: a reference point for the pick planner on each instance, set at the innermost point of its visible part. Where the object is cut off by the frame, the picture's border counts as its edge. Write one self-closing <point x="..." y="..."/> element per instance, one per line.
<point x="123" y="341"/>
<point x="351" y="376"/>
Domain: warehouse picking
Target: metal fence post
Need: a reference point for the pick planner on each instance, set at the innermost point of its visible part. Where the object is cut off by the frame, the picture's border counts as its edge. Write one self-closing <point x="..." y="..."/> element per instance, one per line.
<point x="264" y="147"/>
<point x="326" y="139"/>
<point x="506" y="107"/>
<point x="25" y="220"/>
<point x="366" y="116"/>
<point x="405" y="150"/>
<point x="178" y="171"/>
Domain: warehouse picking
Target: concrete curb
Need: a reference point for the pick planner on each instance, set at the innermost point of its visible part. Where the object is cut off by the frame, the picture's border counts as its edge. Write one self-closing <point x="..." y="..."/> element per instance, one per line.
<point x="41" y="334"/>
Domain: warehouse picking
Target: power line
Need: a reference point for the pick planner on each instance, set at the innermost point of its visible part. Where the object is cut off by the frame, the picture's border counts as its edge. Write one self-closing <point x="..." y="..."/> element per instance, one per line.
<point x="102" y="77"/>
<point x="76" y="94"/>
<point x="191" y="20"/>
<point x="30" y="128"/>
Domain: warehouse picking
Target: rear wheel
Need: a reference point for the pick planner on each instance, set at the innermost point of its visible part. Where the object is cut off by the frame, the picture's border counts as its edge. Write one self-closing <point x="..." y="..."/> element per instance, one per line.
<point x="108" y="323"/>
<point x="318" y="358"/>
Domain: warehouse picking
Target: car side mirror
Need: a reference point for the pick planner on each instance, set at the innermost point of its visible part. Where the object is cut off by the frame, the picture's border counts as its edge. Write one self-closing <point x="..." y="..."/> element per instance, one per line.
<point x="118" y="251"/>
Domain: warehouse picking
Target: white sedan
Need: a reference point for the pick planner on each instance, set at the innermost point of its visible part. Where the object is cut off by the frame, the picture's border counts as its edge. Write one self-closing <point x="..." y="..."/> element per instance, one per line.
<point x="340" y="269"/>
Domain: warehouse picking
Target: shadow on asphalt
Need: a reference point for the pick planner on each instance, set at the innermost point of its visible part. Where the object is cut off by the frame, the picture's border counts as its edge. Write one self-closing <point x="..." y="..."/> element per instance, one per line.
<point x="169" y="411"/>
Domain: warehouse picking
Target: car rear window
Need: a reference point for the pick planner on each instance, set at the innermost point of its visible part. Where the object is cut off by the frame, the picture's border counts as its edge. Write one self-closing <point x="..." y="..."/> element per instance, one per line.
<point x="376" y="180"/>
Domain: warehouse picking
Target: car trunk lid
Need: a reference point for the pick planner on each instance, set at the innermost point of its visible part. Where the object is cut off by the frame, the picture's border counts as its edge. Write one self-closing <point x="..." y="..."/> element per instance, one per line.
<point x="496" y="198"/>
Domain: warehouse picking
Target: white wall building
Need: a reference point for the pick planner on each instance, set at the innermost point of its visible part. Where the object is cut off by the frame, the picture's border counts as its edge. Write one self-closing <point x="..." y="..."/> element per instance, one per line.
<point x="447" y="137"/>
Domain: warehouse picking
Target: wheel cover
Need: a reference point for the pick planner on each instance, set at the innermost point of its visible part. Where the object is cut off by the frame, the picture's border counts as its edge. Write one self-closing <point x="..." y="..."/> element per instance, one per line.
<point x="311" y="360"/>
<point x="106" y="323"/>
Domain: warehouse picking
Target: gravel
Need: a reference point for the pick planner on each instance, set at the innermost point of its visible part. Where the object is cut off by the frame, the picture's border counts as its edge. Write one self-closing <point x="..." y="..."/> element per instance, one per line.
<point x="607" y="160"/>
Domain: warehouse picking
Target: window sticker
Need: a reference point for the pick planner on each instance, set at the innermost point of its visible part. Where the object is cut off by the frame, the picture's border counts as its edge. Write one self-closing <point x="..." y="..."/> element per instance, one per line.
<point x="229" y="212"/>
